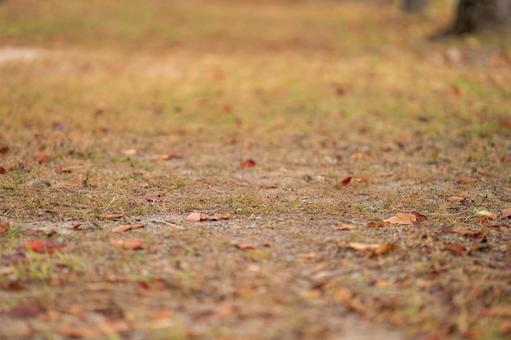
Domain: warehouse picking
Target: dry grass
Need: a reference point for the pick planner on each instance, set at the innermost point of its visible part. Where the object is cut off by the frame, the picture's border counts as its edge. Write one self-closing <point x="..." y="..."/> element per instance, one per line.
<point x="313" y="93"/>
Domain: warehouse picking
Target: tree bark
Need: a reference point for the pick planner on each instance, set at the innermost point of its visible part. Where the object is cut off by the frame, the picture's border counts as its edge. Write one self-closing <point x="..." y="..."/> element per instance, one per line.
<point x="476" y="15"/>
<point x="413" y="6"/>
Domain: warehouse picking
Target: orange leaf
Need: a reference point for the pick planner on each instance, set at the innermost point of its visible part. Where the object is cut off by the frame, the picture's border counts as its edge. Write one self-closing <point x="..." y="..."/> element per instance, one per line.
<point x="166" y="157"/>
<point x="401" y="218"/>
<point x="505" y="213"/>
<point x="376" y="249"/>
<point x="44" y="246"/>
<point x="466" y="232"/>
<point x="345" y="226"/>
<point x="456" y="248"/>
<point x="42" y="157"/>
<point x="245" y="246"/>
<point x="196" y="217"/>
<point x="375" y="224"/>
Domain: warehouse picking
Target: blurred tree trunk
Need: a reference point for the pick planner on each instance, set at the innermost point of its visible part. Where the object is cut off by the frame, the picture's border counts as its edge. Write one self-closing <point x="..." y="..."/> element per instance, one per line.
<point x="413" y="6"/>
<point x="474" y="15"/>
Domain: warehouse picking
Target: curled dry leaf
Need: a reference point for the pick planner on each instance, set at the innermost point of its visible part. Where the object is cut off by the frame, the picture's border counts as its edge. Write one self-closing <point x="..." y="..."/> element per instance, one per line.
<point x="374" y="249"/>
<point x="4" y="227"/>
<point x="247" y="163"/>
<point x="126" y="227"/>
<point x="345" y="226"/>
<point x="401" y="218"/>
<point x="42" y="157"/>
<point x="346" y="181"/>
<point x="245" y="246"/>
<point x="111" y="216"/>
<point x="44" y="246"/>
<point x="456" y="248"/>
<point x="466" y="232"/>
<point x="196" y="217"/>
<point x="129" y="244"/>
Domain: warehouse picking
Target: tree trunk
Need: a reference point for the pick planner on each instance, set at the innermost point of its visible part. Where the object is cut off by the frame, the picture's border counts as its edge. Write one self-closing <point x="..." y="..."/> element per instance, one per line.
<point x="475" y="15"/>
<point x="413" y="6"/>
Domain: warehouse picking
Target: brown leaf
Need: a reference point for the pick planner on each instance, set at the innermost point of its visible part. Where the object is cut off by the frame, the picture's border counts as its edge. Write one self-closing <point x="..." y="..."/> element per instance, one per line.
<point x="60" y="170"/>
<point x="245" y="246"/>
<point x="467" y="179"/>
<point x="346" y="181"/>
<point x="345" y="226"/>
<point x="2" y="170"/>
<point x="456" y="198"/>
<point x="42" y="157"/>
<point x="502" y="312"/>
<point x="376" y="249"/>
<point x="77" y="332"/>
<point x="485" y="214"/>
<point x="376" y="224"/>
<point x="420" y="217"/>
<point x="4" y="227"/>
<point x="247" y="163"/>
<point x="456" y="248"/>
<point x="129" y="244"/>
<point x="466" y="232"/>
<point x="111" y="216"/>
<point x="44" y="246"/>
<point x="126" y="227"/>
<point x="402" y="219"/>
<point x="505" y="213"/>
<point x="196" y="217"/>
<point x="308" y="256"/>
<point x="166" y="157"/>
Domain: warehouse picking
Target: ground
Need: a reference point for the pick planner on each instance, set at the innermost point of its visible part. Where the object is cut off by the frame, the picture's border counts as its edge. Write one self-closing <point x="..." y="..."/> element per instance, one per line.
<point x="294" y="129"/>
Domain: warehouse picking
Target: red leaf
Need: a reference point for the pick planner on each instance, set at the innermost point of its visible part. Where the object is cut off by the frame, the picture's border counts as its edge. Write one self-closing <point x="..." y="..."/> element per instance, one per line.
<point x="346" y="181"/>
<point x="44" y="246"/>
<point x="247" y="163"/>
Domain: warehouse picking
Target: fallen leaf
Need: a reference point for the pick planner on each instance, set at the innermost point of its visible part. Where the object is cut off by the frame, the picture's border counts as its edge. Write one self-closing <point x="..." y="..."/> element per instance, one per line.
<point x="130" y="244"/>
<point x="485" y="214"/>
<point x="2" y="170"/>
<point x="248" y="163"/>
<point x="466" y="232"/>
<point x="111" y="216"/>
<point x="402" y="218"/>
<point x="42" y="157"/>
<point x="63" y="170"/>
<point x="456" y="249"/>
<point x="308" y="256"/>
<point x="502" y="312"/>
<point x="166" y="157"/>
<point x="420" y="217"/>
<point x="126" y="227"/>
<point x="4" y="227"/>
<point x="345" y="226"/>
<point x="245" y="246"/>
<point x="76" y="226"/>
<point x="346" y="181"/>
<point x="4" y="149"/>
<point x="467" y="179"/>
<point x="376" y="249"/>
<point x="44" y="246"/>
<point x="456" y="198"/>
<point x="376" y="224"/>
<point x="196" y="217"/>
<point x="505" y="213"/>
